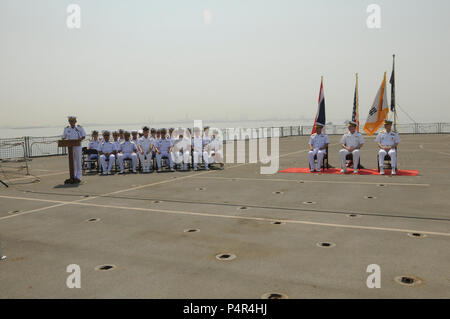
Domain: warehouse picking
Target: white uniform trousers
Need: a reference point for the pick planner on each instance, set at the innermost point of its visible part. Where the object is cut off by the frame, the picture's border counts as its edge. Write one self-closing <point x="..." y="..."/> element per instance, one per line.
<point x="320" y="154"/>
<point x="198" y="156"/>
<point x="182" y="157"/>
<point x="125" y="156"/>
<point x="111" y="160"/>
<point x="217" y="158"/>
<point x="166" y="155"/>
<point x="343" y="153"/>
<point x="77" y="161"/>
<point x="146" y="161"/>
<point x="392" y="153"/>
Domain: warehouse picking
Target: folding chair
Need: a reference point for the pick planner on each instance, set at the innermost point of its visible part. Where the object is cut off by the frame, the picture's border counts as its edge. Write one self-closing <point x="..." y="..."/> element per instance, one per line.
<point x="85" y="160"/>
<point x="349" y="158"/>
<point x="324" y="160"/>
<point x="387" y="162"/>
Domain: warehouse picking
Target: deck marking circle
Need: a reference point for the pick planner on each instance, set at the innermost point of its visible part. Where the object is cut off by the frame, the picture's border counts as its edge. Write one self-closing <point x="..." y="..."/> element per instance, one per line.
<point x="192" y="230"/>
<point x="407" y="280"/>
<point x="417" y="235"/>
<point x="326" y="244"/>
<point x="225" y="256"/>
<point x="274" y="295"/>
<point x="105" y="267"/>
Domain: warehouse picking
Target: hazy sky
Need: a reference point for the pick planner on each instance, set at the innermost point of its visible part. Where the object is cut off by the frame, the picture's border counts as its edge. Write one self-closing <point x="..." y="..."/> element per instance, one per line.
<point x="145" y="60"/>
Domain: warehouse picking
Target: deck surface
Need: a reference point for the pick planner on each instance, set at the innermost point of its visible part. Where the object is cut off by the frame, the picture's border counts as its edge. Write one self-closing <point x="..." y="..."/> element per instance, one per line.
<point x="143" y="218"/>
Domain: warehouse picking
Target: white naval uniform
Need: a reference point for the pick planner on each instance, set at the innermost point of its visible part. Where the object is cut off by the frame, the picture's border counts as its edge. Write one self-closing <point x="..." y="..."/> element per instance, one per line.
<point x="182" y="151"/>
<point x="74" y="134"/>
<point x="127" y="151"/>
<point x="93" y="145"/>
<point x="351" y="140"/>
<point x="163" y="146"/>
<point x="215" y="151"/>
<point x="197" y="144"/>
<point x="387" y="139"/>
<point x="107" y="147"/>
<point x="317" y="141"/>
<point x="146" y="158"/>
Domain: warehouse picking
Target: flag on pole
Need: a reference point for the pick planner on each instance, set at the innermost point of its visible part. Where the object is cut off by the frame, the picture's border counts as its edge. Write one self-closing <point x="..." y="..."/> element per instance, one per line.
<point x="379" y="110"/>
<point x="355" y="114"/>
<point x="392" y="82"/>
<point x="320" y="116"/>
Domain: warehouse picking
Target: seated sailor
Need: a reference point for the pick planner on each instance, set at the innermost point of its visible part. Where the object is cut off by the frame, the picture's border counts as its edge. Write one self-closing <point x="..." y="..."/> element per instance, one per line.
<point x="198" y="148"/>
<point x="93" y="148"/>
<point x="351" y="143"/>
<point x="127" y="150"/>
<point x="387" y="141"/>
<point x="145" y="147"/>
<point x="182" y="150"/>
<point x="318" y="143"/>
<point x="106" y="152"/>
<point x="215" y="151"/>
<point x="163" y="149"/>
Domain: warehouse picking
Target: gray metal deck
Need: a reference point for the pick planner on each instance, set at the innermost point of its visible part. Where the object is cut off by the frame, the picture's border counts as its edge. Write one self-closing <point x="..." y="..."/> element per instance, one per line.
<point x="44" y="228"/>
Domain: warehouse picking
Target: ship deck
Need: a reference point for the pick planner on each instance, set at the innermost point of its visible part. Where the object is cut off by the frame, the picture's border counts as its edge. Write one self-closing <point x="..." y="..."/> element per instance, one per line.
<point x="141" y="223"/>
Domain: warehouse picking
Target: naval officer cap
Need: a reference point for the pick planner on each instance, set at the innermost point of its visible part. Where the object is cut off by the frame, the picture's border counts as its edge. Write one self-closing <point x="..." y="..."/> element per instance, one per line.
<point x="387" y="122"/>
<point x="319" y="125"/>
<point x="105" y="132"/>
<point x="352" y="123"/>
<point x="72" y="118"/>
<point x="134" y="132"/>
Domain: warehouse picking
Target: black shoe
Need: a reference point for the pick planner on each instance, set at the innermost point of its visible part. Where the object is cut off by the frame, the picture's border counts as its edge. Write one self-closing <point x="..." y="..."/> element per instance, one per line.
<point x="76" y="181"/>
<point x="68" y="181"/>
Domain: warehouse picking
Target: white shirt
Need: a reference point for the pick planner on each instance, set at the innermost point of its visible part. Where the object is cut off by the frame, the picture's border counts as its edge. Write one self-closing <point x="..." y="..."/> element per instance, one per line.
<point x="128" y="147"/>
<point x="94" y="145"/>
<point x="135" y="141"/>
<point x="107" y="147"/>
<point x="182" y="145"/>
<point x="215" y="145"/>
<point x="197" y="142"/>
<point x="352" y="140"/>
<point x="319" y="141"/>
<point x="387" y="139"/>
<point x="116" y="145"/>
<point x="145" y="143"/>
<point x="73" y="133"/>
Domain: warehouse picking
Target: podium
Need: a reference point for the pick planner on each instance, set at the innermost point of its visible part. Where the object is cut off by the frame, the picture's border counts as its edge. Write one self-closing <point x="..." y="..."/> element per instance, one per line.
<point x="70" y="144"/>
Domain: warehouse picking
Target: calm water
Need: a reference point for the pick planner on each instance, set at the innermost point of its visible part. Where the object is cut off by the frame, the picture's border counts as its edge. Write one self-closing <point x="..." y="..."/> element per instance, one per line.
<point x="54" y="130"/>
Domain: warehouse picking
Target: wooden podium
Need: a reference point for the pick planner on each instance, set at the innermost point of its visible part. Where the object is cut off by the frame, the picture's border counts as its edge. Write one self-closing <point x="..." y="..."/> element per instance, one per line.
<point x="70" y="144"/>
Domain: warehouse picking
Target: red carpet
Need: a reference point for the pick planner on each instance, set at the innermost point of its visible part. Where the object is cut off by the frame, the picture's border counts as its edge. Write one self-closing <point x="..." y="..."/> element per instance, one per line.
<point x="350" y="171"/>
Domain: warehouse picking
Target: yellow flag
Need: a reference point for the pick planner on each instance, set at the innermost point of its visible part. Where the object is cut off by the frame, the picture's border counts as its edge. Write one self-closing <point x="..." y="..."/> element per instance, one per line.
<point x="379" y="110"/>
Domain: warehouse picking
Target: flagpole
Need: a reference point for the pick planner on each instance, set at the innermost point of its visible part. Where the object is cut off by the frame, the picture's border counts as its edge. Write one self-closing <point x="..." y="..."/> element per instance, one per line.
<point x="357" y="103"/>
<point x="393" y="91"/>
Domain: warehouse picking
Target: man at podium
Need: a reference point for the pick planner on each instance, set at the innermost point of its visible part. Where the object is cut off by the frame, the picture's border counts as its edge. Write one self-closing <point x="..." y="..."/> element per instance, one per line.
<point x="75" y="132"/>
